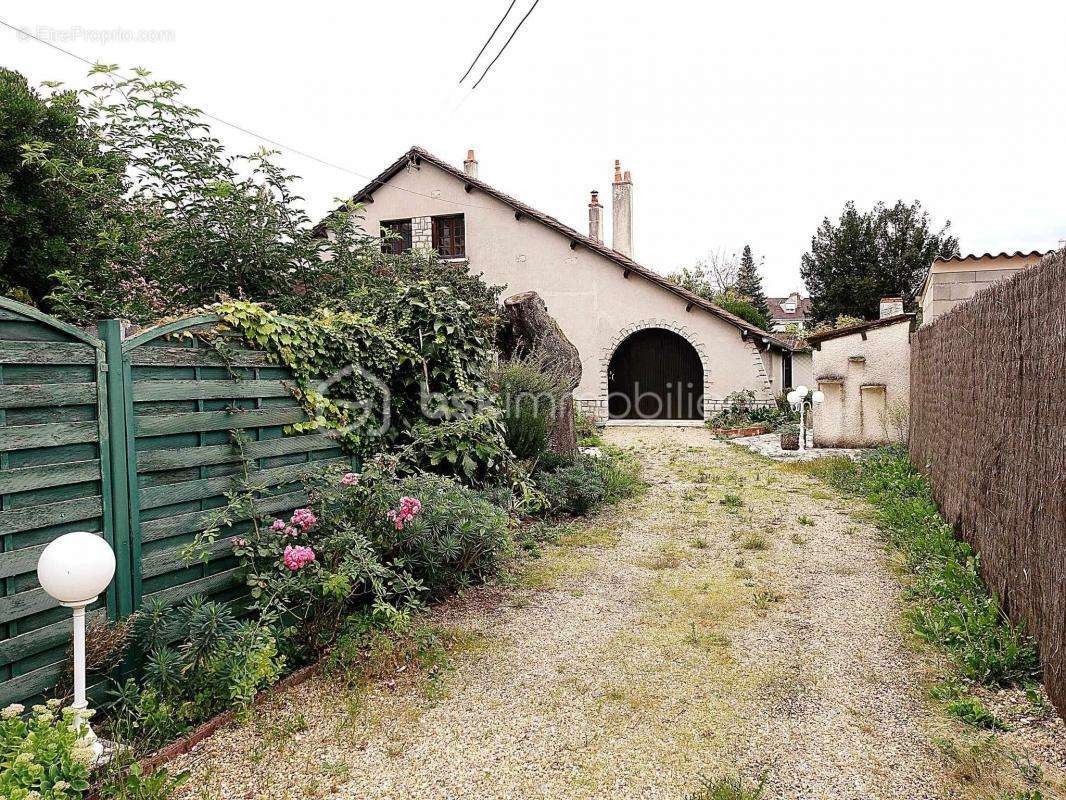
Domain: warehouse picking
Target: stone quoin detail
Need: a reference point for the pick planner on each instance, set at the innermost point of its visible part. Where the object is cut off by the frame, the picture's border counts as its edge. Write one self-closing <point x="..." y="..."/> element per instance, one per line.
<point x="422" y="233"/>
<point x="599" y="407"/>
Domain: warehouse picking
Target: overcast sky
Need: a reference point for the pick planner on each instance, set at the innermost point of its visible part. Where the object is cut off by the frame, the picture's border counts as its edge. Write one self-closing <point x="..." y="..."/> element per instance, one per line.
<point x="741" y="122"/>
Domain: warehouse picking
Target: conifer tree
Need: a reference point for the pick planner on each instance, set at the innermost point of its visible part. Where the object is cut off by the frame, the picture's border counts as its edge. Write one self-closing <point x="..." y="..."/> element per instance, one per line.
<point x="749" y="284"/>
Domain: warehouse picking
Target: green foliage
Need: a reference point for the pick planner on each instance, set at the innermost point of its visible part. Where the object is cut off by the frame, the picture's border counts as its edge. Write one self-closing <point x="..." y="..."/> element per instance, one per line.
<point x="42" y="754"/>
<point x="127" y="780"/>
<point x="586" y="430"/>
<point x="743" y="411"/>
<point x="954" y="610"/>
<point x="46" y="224"/>
<point x="527" y="391"/>
<point x="376" y="551"/>
<point x="732" y="501"/>
<point x="867" y="255"/>
<point x="458" y="538"/>
<point x="749" y="287"/>
<point x="588" y="482"/>
<point x="472" y="448"/>
<point x="197" y="660"/>
<point x="742" y="308"/>
<point x="729" y="788"/>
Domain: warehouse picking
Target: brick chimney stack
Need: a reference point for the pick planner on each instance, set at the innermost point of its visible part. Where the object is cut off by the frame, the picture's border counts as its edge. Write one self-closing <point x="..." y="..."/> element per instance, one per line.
<point x="470" y="165"/>
<point x="622" y="211"/>
<point x="595" y="217"/>
<point x="891" y="307"/>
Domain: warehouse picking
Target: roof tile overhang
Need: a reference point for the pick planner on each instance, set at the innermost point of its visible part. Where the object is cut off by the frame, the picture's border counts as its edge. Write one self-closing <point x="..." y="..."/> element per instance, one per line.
<point x="416" y="155"/>
<point x="815" y="339"/>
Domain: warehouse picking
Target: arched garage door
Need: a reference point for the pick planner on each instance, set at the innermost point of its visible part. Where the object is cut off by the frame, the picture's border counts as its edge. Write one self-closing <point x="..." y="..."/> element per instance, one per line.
<point x="655" y="374"/>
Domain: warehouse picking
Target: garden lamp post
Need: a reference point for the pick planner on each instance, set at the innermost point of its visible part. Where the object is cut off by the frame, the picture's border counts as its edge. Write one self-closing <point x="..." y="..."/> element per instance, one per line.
<point x="801" y="398"/>
<point x="75" y="569"/>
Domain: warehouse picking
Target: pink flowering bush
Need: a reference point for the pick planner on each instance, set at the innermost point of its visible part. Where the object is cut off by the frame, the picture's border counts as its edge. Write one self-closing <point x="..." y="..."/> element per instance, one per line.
<point x="407" y="511"/>
<point x="373" y="541"/>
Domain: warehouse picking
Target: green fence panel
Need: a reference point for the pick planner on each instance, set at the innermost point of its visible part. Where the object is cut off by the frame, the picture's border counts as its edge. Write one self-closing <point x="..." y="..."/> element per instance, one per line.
<point x="54" y="468"/>
<point x="141" y="439"/>
<point x="186" y="403"/>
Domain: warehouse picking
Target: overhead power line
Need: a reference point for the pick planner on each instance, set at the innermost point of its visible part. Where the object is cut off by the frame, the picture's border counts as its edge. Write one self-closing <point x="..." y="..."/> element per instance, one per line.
<point x="509" y="38"/>
<point x="249" y="132"/>
<point x="482" y="50"/>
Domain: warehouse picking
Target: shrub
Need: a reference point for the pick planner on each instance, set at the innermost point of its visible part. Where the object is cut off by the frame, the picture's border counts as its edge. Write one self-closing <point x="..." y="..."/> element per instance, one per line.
<point x="729" y="788"/>
<point x="42" y="754"/>
<point x="197" y="661"/>
<point x="586" y="430"/>
<point x="457" y="538"/>
<point x="472" y="448"/>
<point x="955" y="610"/>
<point x="743" y="410"/>
<point x="576" y="488"/>
<point x="528" y="389"/>
<point x="586" y="482"/>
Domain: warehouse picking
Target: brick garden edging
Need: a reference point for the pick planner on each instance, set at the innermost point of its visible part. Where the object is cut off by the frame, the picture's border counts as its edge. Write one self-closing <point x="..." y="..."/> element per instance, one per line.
<point x="736" y="433"/>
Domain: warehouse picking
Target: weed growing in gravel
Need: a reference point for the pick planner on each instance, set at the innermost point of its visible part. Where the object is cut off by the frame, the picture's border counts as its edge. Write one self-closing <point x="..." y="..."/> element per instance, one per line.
<point x="753" y="540"/>
<point x="732" y="501"/>
<point x="732" y="787"/>
<point x="955" y="611"/>
<point x="764" y="598"/>
<point x="798" y="538"/>
<point x="699" y="543"/>
<point x="805" y="520"/>
<point x="959" y="703"/>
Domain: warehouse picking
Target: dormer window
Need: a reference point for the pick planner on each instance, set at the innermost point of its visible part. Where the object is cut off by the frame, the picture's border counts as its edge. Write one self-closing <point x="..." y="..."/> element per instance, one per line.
<point x="788" y="306"/>
<point x="449" y="236"/>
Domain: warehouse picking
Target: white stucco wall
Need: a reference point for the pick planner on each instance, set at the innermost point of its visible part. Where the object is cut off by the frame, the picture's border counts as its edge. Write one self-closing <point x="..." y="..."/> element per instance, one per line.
<point x="866" y="385"/>
<point x="596" y="306"/>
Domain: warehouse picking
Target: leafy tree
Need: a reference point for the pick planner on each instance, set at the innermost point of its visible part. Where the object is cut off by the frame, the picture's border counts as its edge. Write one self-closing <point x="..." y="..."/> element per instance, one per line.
<point x="716" y="279"/>
<point x="48" y="225"/>
<point x="749" y="286"/>
<point x="865" y="256"/>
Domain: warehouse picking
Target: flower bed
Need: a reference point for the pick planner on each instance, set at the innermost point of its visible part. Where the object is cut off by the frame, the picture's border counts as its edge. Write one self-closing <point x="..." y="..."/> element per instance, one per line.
<point x="736" y="433"/>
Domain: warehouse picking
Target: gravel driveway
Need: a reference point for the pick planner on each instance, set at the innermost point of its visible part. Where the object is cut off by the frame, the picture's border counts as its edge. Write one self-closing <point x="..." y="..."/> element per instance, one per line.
<point x="673" y="638"/>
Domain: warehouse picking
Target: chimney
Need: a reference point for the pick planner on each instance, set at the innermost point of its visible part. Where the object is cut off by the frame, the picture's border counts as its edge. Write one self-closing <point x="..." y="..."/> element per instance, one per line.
<point x="470" y="165"/>
<point x="596" y="218"/>
<point x="622" y="211"/>
<point x="891" y="307"/>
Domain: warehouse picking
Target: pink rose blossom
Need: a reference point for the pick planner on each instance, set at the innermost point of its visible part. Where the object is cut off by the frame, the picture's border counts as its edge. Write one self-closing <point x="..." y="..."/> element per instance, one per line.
<point x="304" y="519"/>
<point x="297" y="557"/>
<point x="278" y="525"/>
<point x="350" y="479"/>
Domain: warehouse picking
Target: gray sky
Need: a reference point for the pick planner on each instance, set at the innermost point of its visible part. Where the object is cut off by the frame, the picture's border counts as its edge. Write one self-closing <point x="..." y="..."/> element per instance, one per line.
<point x="741" y="122"/>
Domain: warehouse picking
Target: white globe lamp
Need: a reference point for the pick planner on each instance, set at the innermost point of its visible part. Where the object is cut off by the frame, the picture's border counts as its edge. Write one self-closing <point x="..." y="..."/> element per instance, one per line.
<point x="818" y="396"/>
<point x="802" y="390"/>
<point x="75" y="569"/>
<point x="793" y="397"/>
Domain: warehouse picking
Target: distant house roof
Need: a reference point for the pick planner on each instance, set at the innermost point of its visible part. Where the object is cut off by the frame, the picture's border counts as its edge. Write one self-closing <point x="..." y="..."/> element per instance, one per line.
<point x="975" y="257"/>
<point x="777" y="312"/>
<point x="816" y="339"/>
<point x="417" y="154"/>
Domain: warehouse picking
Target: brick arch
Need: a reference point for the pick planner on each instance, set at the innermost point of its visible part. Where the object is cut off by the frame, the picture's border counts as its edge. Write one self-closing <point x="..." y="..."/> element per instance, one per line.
<point x="683" y="331"/>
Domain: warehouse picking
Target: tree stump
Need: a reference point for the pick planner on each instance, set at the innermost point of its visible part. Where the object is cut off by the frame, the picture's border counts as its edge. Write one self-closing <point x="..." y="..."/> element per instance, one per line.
<point x="536" y="333"/>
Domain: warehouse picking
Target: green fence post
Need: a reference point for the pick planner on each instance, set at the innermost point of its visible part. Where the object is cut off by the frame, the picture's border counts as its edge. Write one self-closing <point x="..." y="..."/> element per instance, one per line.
<point x="111" y="333"/>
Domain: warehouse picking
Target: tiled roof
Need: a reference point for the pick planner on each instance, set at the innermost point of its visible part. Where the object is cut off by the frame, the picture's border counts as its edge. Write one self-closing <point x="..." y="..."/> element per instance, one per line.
<point x="417" y="154"/>
<point x="816" y="339"/>
<point x="975" y="257"/>
<point x="803" y="309"/>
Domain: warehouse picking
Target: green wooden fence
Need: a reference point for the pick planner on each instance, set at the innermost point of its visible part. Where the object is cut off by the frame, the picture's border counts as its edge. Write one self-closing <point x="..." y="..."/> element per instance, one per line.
<point x="139" y="439"/>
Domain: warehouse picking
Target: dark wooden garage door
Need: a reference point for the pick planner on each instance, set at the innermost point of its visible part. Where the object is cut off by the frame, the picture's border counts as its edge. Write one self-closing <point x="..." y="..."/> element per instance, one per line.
<point x="655" y="374"/>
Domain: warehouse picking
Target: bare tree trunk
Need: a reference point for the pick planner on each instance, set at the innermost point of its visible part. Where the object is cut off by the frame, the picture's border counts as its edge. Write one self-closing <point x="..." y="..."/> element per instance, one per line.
<point x="535" y="332"/>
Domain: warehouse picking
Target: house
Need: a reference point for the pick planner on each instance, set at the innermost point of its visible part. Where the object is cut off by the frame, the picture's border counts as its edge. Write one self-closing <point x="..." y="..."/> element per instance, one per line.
<point x="649" y="349"/>
<point x="863" y="372"/>
<point x="787" y="312"/>
<point x="956" y="279"/>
